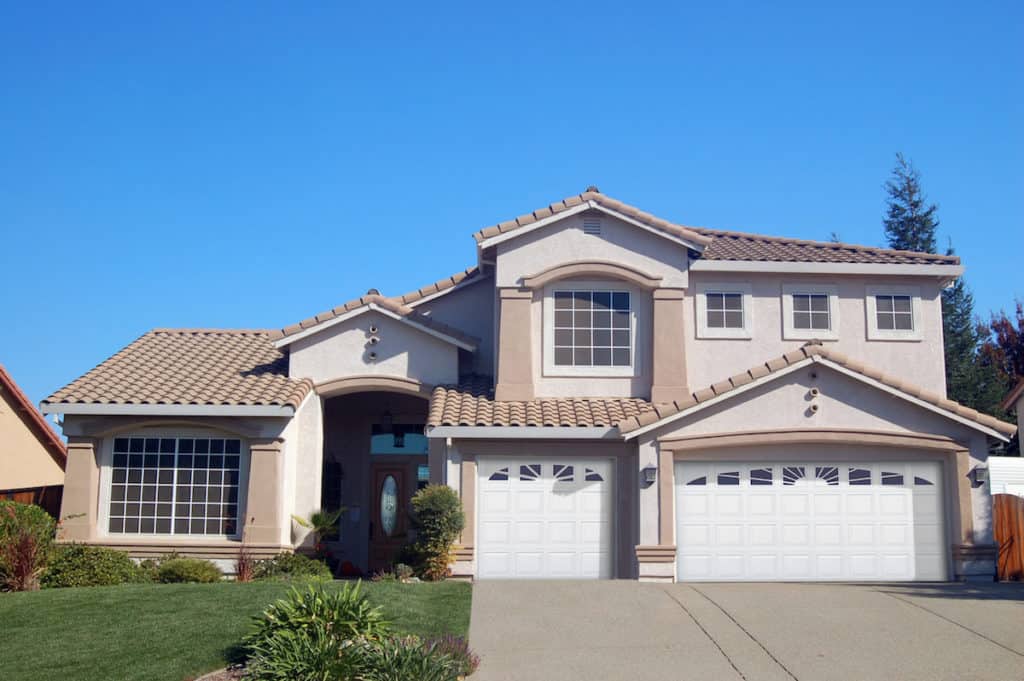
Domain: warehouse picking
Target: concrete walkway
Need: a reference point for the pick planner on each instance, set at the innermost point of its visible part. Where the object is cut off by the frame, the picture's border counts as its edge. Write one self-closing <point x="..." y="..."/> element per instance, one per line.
<point x="619" y="630"/>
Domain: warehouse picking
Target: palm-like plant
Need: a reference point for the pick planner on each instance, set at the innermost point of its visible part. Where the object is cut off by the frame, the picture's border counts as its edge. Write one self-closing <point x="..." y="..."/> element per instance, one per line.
<point x="324" y="525"/>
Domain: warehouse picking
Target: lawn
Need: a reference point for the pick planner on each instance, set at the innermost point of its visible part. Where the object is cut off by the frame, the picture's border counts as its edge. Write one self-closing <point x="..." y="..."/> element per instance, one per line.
<point x="173" y="632"/>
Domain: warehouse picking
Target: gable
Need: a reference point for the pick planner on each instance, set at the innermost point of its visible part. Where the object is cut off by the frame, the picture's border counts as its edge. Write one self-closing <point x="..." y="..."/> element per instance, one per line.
<point x="567" y="241"/>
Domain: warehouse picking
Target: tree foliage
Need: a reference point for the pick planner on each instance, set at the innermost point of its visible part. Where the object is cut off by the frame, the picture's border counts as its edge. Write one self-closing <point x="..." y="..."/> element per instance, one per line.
<point x="910" y="221"/>
<point x="1003" y="344"/>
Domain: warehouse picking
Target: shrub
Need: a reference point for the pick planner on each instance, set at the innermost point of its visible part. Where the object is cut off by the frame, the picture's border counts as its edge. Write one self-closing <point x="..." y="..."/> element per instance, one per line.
<point x="403" y="572"/>
<point x="178" y="570"/>
<point x="438" y="516"/>
<point x="26" y="533"/>
<point x="309" y="653"/>
<point x="456" y="648"/>
<point x="406" y="658"/>
<point x="245" y="564"/>
<point x="346" y="613"/>
<point x="80" y="565"/>
<point x="287" y="565"/>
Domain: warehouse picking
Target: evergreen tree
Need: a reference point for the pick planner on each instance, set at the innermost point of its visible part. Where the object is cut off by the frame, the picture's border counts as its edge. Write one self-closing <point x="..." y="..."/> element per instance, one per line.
<point x="910" y="222"/>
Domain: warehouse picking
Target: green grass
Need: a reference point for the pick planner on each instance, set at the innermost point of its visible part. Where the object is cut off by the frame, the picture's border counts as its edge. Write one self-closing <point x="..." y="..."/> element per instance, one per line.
<point x="172" y="632"/>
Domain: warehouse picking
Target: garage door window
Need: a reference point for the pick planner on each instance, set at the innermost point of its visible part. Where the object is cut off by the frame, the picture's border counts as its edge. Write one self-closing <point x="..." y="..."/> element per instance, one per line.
<point x="563" y="473"/>
<point x="729" y="478"/>
<point x="500" y="474"/>
<point x="593" y="476"/>
<point x="529" y="472"/>
<point x="860" y="476"/>
<point x="791" y="474"/>
<point x="760" y="476"/>
<point x="830" y="474"/>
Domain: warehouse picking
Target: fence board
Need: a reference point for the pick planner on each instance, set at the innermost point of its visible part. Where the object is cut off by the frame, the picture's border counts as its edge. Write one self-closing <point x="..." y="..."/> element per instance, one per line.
<point x="1008" y="527"/>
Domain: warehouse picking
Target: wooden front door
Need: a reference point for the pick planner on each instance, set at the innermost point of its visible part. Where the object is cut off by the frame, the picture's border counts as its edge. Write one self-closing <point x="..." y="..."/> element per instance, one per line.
<point x="394" y="483"/>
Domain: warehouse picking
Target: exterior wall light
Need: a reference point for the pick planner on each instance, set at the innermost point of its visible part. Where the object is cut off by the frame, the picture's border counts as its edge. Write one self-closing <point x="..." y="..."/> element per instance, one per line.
<point x="649" y="474"/>
<point x="979" y="475"/>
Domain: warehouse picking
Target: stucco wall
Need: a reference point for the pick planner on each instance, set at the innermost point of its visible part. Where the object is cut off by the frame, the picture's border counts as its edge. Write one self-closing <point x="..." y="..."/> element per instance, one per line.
<point x="303" y="450"/>
<point x="403" y="351"/>
<point x="564" y="242"/>
<point x="919" y="362"/>
<point x="24" y="461"/>
<point x="844" y="403"/>
<point x="471" y="310"/>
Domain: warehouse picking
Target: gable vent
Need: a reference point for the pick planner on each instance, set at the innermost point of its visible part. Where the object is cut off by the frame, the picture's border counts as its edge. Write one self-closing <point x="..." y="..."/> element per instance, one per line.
<point x="592" y="226"/>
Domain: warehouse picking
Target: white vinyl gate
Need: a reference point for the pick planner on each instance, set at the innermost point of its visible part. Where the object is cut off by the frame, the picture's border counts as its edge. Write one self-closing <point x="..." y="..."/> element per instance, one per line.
<point x="543" y="517"/>
<point x="810" y="521"/>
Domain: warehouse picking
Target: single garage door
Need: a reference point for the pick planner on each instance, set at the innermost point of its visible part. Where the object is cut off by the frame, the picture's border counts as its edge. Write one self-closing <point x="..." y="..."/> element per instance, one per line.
<point x="544" y="518"/>
<point x="810" y="521"/>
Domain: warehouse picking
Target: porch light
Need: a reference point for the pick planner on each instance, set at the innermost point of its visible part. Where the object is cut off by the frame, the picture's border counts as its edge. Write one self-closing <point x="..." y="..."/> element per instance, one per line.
<point x="979" y="475"/>
<point x="649" y="474"/>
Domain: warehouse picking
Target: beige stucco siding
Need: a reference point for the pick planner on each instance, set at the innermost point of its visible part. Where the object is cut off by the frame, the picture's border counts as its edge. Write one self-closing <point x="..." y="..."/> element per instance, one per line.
<point x="469" y="309"/>
<point x="303" y="451"/>
<point x="921" y="363"/>
<point x="24" y="461"/>
<point x="343" y="350"/>
<point x="843" y="404"/>
<point x="564" y="242"/>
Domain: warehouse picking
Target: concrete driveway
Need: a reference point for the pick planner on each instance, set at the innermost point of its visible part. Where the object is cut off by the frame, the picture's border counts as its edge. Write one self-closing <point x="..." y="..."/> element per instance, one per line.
<point x="619" y="630"/>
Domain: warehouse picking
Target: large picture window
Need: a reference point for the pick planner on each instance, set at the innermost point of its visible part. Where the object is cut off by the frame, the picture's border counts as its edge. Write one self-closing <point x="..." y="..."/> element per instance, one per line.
<point x="175" y="485"/>
<point x="592" y="329"/>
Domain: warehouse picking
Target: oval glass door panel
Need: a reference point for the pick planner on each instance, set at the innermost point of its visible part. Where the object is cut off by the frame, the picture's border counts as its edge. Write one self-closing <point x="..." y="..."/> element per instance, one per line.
<point x="388" y="505"/>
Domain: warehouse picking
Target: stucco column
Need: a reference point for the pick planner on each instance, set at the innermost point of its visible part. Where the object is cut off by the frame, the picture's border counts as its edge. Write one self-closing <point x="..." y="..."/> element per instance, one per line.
<point x="264" y="503"/>
<point x="668" y="381"/>
<point x="79" y="509"/>
<point x="515" y="345"/>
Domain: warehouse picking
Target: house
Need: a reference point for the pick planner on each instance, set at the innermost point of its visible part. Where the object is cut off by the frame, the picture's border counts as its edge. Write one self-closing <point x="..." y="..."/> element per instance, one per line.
<point x="1014" y="402"/>
<point x="32" y="455"/>
<point x="613" y="395"/>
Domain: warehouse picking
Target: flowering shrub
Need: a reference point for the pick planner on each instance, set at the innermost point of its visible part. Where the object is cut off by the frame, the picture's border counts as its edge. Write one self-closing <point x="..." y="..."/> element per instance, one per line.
<point x="26" y="533"/>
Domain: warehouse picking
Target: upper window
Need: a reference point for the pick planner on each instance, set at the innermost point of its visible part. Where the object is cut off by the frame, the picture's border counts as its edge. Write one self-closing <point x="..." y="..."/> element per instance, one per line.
<point x="894" y="313"/>
<point x="724" y="310"/>
<point x="810" y="311"/>
<point x="589" y="331"/>
<point x="175" y="485"/>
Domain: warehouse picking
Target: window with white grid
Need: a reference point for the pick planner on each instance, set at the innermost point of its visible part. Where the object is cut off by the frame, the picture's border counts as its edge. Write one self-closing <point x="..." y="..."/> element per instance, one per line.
<point x="894" y="313"/>
<point x="724" y="310"/>
<point x="811" y="311"/>
<point x="592" y="329"/>
<point x="175" y="485"/>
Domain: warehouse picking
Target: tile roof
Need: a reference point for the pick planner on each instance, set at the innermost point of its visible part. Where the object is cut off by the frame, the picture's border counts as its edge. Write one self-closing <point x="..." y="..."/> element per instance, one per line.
<point x="399" y="305"/>
<point x="191" y="366"/>
<point x="472" y="403"/>
<point x="730" y="245"/>
<point x="811" y="350"/>
<point x="597" y="197"/>
<point x="36" y="422"/>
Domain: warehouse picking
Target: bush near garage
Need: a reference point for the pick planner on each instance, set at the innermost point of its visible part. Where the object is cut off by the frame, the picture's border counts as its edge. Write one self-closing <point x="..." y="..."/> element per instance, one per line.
<point x="439" y="520"/>
<point x="74" y="565"/>
<point x="287" y="565"/>
<point x="177" y="570"/>
<point x="26" y="534"/>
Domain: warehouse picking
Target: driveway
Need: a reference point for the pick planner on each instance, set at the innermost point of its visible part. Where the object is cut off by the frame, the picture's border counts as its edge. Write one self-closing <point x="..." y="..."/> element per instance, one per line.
<point x="620" y="630"/>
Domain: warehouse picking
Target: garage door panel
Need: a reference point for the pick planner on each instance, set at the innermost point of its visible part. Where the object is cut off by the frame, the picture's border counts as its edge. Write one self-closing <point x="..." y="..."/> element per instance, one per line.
<point x="810" y="521"/>
<point x="545" y="517"/>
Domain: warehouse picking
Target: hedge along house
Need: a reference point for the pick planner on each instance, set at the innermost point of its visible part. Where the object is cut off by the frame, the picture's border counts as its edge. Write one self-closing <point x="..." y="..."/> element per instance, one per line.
<point x="611" y="394"/>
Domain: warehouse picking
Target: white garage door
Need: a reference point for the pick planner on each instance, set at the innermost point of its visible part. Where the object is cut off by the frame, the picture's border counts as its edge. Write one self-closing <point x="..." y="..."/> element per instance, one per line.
<point x="810" y="521"/>
<point x="544" y="518"/>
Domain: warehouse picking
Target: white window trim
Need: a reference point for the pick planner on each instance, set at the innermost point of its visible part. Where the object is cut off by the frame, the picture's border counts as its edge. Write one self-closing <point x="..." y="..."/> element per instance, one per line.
<point x="555" y="371"/>
<point x="790" y="332"/>
<point x="703" y="331"/>
<point x="871" y="309"/>
<point x="107" y="475"/>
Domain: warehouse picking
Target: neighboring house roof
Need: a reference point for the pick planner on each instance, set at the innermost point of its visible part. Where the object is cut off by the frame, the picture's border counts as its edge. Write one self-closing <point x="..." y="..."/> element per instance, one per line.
<point x="33" y="419"/>
<point x="399" y="306"/>
<point x="1010" y="400"/>
<point x="472" y="403"/>
<point x="809" y="353"/>
<point x="189" y="367"/>
<point x="728" y="245"/>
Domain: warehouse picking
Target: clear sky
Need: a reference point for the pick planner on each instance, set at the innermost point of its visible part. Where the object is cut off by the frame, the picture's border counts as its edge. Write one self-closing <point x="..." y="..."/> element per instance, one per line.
<point x="250" y="164"/>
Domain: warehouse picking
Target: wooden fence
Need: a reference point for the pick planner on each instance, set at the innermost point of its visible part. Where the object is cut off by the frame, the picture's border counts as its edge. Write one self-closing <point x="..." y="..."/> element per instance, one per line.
<point x="1008" y="527"/>
<point x="47" y="497"/>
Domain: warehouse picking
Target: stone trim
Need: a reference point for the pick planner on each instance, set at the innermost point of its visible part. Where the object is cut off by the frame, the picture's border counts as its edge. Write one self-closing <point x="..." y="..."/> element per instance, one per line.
<point x="810" y="436"/>
<point x="373" y="383"/>
<point x="592" y="268"/>
<point x="464" y="553"/>
<point x="656" y="554"/>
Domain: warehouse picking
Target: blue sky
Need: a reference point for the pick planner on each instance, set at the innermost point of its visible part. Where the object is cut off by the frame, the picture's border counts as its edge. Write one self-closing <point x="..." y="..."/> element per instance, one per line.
<point x="250" y="164"/>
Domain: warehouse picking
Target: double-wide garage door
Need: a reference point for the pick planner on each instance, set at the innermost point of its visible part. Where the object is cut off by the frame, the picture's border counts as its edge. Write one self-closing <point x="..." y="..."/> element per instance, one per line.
<point x="544" y="517"/>
<point x="810" y="521"/>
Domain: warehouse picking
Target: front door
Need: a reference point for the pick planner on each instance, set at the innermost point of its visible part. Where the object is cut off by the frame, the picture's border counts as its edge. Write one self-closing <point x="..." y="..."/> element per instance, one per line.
<point x="394" y="483"/>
